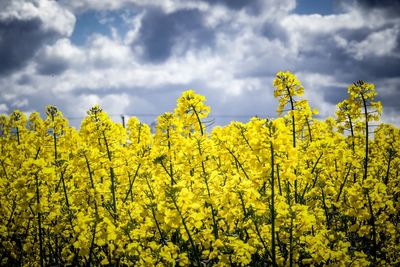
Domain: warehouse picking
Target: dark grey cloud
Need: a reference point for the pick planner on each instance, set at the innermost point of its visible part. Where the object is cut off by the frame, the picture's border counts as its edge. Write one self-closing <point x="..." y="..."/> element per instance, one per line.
<point x="391" y="102"/>
<point x="235" y="4"/>
<point x="379" y="67"/>
<point x="326" y="57"/>
<point x="372" y="68"/>
<point x="364" y="55"/>
<point x="392" y="4"/>
<point x="20" y="40"/>
<point x="334" y="94"/>
<point x="251" y="6"/>
<point x="25" y="80"/>
<point x="273" y="30"/>
<point x="27" y="25"/>
<point x="347" y="70"/>
<point x="391" y="8"/>
<point x="52" y="66"/>
<point x="160" y="32"/>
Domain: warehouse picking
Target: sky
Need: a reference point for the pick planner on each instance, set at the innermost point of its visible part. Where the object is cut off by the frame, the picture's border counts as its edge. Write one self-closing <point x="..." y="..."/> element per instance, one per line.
<point x="136" y="57"/>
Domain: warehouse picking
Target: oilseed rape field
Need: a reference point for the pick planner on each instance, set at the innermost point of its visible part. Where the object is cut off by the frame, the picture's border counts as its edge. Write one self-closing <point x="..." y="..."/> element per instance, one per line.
<point x="290" y="191"/>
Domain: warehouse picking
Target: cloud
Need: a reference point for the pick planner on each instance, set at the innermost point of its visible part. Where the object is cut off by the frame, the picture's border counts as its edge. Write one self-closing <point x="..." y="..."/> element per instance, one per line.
<point x="228" y="51"/>
<point x="55" y="59"/>
<point x="235" y="4"/>
<point x="25" y="26"/>
<point x="20" y="103"/>
<point x="254" y="7"/>
<point x="392" y="7"/>
<point x="376" y="44"/>
<point x="362" y="42"/>
<point x="181" y="31"/>
<point x="169" y="6"/>
<point x="115" y="102"/>
<point x="3" y="108"/>
<point x="307" y="32"/>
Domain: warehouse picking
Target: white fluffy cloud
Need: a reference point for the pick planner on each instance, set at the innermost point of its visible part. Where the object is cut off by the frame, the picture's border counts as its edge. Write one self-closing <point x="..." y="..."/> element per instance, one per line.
<point x="115" y="102"/>
<point x="380" y="43"/>
<point x="167" y="5"/>
<point x="305" y="31"/>
<point x="3" y="108"/>
<point x="53" y="16"/>
<point x="26" y="25"/>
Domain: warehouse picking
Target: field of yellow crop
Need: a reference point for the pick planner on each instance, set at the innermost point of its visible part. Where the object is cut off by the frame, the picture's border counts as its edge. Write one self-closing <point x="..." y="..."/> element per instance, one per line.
<point x="292" y="191"/>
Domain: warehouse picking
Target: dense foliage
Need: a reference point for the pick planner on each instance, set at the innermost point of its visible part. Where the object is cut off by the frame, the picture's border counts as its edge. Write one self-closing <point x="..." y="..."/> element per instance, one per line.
<point x="290" y="191"/>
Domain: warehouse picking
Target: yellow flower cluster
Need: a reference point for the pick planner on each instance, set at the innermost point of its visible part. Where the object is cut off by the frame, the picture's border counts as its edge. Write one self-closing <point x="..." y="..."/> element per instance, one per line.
<point x="270" y="192"/>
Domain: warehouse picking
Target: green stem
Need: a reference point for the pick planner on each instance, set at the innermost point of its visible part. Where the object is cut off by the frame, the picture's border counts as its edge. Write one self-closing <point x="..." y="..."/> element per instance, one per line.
<point x="243" y="205"/>
<point x="65" y="190"/>
<point x="171" y="171"/>
<point x="131" y="184"/>
<point x="353" y="146"/>
<point x="309" y="129"/>
<point x="325" y="209"/>
<point x="296" y="195"/>
<point x="169" y="174"/>
<point x="293" y="119"/>
<point x="291" y="242"/>
<point x="196" y="253"/>
<point x="273" y="206"/>
<point x="153" y="212"/>
<point x="18" y="136"/>
<point x="248" y="144"/>
<point x="112" y="176"/>
<point x="198" y="120"/>
<point x="56" y="165"/>
<point x="238" y="162"/>
<point x="386" y="179"/>
<point x="294" y="139"/>
<point x="261" y="239"/>
<point x="96" y="210"/>
<point x="291" y="224"/>
<point x="4" y="169"/>
<point x="92" y="242"/>
<point x="342" y="185"/>
<point x="139" y="132"/>
<point x="279" y="179"/>
<point x="316" y="163"/>
<point x="14" y="206"/>
<point x="213" y="211"/>
<point x="366" y="137"/>
<point x="39" y="220"/>
<point x="315" y="179"/>
<point x="372" y="223"/>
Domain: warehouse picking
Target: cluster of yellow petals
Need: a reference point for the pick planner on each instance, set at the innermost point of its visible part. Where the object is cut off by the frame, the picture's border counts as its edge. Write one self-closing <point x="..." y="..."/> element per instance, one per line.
<point x="289" y="191"/>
